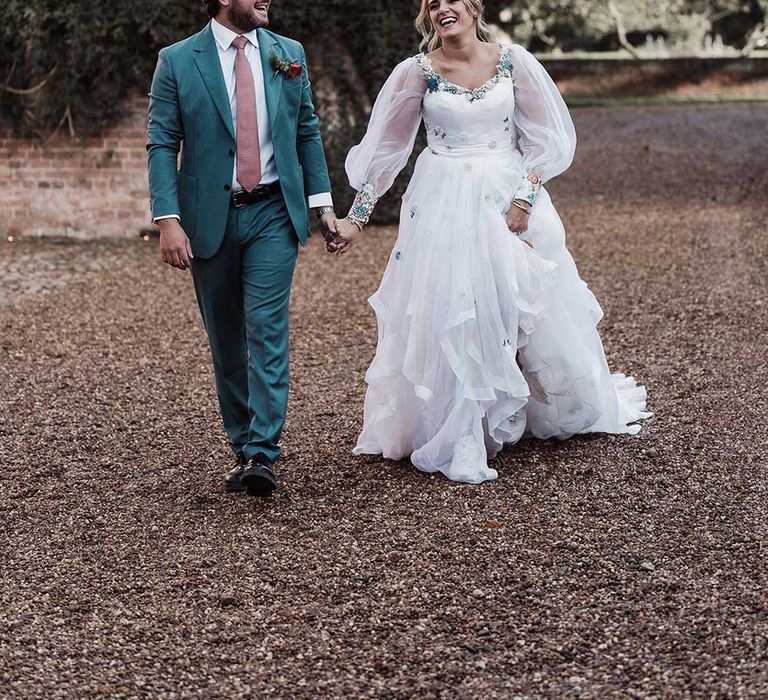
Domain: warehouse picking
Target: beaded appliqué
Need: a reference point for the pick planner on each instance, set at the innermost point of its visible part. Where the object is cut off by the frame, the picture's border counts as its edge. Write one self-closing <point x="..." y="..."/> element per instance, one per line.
<point x="439" y="83"/>
<point x="508" y="127"/>
<point x="364" y="203"/>
<point x="439" y="132"/>
<point x="529" y="188"/>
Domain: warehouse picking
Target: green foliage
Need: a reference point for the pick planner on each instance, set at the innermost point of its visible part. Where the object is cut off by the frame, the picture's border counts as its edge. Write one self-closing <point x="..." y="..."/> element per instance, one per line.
<point x="89" y="57"/>
<point x="92" y="56"/>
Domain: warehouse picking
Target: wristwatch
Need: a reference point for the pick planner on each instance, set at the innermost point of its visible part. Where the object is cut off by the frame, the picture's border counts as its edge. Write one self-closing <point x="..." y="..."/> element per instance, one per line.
<point x="323" y="210"/>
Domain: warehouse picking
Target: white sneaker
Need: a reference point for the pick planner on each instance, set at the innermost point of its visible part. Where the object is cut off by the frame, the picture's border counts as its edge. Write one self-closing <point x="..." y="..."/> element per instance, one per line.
<point x="470" y="462"/>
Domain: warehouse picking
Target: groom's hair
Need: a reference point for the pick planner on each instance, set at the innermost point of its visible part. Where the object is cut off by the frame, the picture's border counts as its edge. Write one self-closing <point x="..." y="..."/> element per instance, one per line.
<point x="212" y="7"/>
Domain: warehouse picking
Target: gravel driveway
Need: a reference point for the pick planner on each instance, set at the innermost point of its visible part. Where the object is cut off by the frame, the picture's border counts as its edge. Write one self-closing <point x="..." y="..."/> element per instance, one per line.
<point x="600" y="567"/>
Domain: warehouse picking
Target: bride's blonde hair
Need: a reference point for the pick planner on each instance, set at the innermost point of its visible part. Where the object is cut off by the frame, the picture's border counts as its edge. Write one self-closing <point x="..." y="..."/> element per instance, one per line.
<point x="429" y="37"/>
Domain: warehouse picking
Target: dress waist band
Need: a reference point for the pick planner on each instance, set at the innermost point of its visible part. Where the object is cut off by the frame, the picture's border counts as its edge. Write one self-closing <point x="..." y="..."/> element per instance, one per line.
<point x="475" y="150"/>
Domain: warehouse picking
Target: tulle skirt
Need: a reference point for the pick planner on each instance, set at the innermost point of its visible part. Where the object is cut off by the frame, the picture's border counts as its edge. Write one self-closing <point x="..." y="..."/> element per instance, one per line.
<point x="482" y="339"/>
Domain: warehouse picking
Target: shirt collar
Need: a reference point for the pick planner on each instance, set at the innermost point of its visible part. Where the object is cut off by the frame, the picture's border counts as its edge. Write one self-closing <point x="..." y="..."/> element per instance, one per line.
<point x="224" y="37"/>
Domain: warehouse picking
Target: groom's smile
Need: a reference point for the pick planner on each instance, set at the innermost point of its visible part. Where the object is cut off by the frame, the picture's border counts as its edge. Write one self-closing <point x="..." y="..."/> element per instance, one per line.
<point x="261" y="9"/>
<point x="247" y="15"/>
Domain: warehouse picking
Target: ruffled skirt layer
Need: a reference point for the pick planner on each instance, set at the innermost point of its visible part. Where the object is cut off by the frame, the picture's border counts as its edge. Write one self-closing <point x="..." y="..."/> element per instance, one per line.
<point x="482" y="339"/>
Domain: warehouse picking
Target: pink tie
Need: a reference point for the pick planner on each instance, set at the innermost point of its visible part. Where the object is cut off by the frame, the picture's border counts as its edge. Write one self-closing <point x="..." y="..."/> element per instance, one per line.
<point x="248" y="153"/>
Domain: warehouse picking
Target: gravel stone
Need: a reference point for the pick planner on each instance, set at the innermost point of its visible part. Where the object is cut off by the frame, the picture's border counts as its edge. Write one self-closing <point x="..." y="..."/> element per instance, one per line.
<point x="118" y="544"/>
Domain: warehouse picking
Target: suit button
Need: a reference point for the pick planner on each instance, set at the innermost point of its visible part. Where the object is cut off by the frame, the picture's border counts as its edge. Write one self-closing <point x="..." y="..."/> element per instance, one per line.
<point x="227" y="188"/>
<point x="231" y="151"/>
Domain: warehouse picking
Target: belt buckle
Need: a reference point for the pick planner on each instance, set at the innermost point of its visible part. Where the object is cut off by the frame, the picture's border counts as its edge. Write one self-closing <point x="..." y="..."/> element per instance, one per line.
<point x="235" y="203"/>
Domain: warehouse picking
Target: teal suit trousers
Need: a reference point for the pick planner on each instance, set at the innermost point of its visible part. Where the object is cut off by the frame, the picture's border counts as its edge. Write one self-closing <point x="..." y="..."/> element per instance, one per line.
<point x="244" y="292"/>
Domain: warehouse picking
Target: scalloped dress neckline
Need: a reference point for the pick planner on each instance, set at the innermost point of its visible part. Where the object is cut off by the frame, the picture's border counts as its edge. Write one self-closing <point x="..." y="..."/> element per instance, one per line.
<point x="437" y="81"/>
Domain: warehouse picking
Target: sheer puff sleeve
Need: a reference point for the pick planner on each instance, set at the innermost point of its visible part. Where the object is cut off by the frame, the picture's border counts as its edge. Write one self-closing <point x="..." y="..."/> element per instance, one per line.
<point x="375" y="162"/>
<point x="546" y="136"/>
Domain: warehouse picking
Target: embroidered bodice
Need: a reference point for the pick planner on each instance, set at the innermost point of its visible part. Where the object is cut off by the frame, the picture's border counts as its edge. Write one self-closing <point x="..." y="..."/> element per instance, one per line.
<point x="518" y="112"/>
<point x="456" y="122"/>
<point x="438" y="83"/>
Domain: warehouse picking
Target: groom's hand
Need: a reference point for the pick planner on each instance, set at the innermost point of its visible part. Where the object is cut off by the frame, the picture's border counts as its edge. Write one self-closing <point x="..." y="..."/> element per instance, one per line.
<point x="327" y="223"/>
<point x="175" y="249"/>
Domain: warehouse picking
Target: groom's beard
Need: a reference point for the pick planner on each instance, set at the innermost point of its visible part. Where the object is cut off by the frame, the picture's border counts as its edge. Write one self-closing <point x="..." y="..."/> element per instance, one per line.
<point x="244" y="15"/>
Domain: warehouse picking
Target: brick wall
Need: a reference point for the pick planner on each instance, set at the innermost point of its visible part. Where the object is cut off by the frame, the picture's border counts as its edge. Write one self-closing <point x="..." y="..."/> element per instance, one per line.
<point x="66" y="187"/>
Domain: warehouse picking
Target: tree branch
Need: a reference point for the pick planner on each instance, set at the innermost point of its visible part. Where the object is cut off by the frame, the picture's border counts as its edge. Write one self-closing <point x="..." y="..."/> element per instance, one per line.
<point x="620" y="30"/>
<point x="32" y="90"/>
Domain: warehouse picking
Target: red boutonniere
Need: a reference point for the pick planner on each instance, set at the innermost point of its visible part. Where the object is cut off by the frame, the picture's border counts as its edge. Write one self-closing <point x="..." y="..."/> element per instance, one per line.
<point x="288" y="69"/>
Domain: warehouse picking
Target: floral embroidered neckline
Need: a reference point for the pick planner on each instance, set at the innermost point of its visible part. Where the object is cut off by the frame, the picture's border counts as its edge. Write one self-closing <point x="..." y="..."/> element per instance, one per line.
<point x="439" y="83"/>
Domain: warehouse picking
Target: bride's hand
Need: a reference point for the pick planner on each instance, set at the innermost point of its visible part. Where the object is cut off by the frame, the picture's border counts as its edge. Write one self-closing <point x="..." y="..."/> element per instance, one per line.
<point x="346" y="236"/>
<point x="517" y="219"/>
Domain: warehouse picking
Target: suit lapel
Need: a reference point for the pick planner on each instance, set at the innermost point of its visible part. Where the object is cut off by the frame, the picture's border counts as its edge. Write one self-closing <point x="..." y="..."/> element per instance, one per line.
<point x="206" y="58"/>
<point x="273" y="83"/>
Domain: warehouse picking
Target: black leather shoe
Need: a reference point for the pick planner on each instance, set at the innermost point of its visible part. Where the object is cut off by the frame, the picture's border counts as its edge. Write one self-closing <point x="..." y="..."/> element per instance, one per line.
<point x="258" y="478"/>
<point x="233" y="480"/>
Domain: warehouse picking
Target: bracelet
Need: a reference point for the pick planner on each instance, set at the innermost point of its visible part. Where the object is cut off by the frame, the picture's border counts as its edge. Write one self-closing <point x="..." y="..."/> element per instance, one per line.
<point x="527" y="210"/>
<point x="320" y="211"/>
<point x="356" y="223"/>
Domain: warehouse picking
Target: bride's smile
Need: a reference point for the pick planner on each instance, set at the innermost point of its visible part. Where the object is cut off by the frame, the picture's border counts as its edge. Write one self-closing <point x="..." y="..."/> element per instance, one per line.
<point x="450" y="17"/>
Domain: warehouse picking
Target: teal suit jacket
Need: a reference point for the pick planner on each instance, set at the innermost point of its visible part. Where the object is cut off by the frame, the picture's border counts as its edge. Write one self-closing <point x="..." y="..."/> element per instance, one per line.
<point x="189" y="111"/>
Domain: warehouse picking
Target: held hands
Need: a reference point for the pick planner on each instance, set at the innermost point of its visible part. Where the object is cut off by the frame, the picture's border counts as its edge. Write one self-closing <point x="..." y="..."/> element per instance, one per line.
<point x="517" y="218"/>
<point x="175" y="249"/>
<point x="346" y="236"/>
<point x="327" y="223"/>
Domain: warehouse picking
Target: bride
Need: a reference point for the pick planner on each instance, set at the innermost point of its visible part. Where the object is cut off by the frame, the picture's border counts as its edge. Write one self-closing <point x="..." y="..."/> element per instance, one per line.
<point x="486" y="331"/>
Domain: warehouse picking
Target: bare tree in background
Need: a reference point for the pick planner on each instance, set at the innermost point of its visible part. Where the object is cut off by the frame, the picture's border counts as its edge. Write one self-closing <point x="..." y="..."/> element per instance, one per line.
<point x="600" y="25"/>
<point x="620" y="29"/>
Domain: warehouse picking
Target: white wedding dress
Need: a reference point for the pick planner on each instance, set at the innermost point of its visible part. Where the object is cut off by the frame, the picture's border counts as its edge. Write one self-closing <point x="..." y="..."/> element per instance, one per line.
<point x="481" y="339"/>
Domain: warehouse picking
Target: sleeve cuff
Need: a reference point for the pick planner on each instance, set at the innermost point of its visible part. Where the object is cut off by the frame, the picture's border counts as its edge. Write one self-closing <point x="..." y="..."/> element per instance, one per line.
<point x="323" y="199"/>
<point x="529" y="188"/>
<point x="365" y="201"/>
<point x="167" y="216"/>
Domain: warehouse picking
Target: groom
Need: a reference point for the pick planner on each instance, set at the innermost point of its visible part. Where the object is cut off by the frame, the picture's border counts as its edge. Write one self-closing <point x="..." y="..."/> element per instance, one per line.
<point x="236" y="100"/>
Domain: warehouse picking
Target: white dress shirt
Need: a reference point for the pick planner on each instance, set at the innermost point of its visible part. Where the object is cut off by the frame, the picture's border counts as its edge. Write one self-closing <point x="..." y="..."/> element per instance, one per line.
<point x="227" y="53"/>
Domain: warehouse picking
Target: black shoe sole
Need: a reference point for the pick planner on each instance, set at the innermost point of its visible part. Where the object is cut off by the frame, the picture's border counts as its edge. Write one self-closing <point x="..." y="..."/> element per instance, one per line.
<point x="234" y="488"/>
<point x="260" y="485"/>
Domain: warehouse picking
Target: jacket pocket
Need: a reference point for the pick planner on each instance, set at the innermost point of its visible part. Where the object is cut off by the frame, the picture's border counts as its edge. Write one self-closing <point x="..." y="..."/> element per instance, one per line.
<point x="187" y="190"/>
